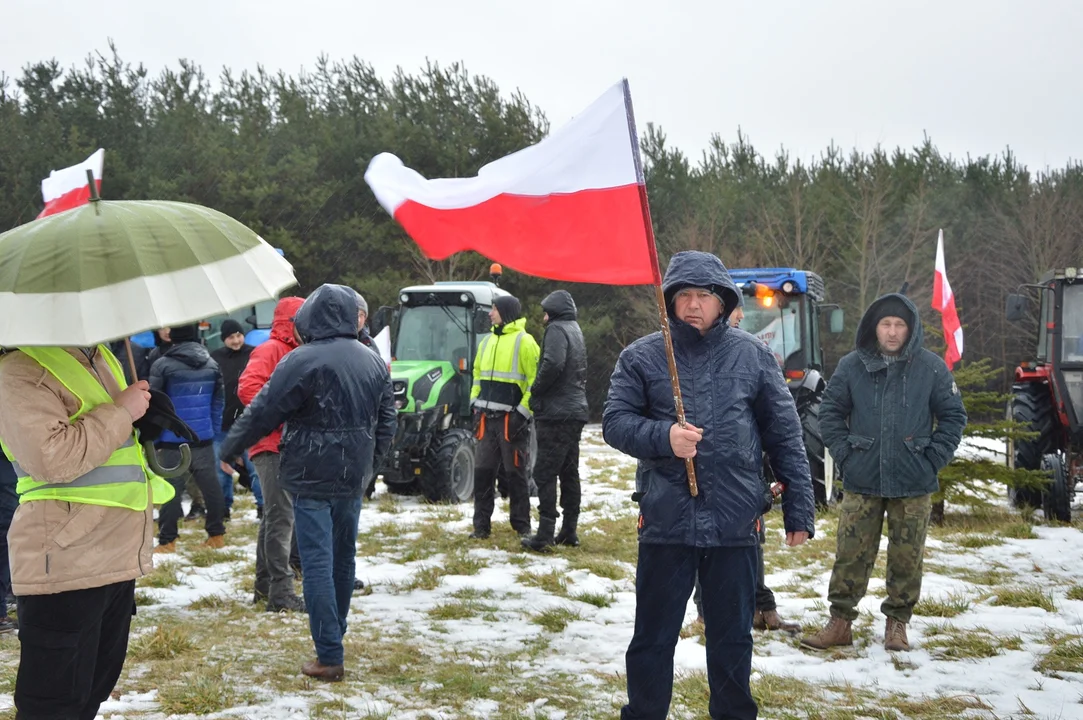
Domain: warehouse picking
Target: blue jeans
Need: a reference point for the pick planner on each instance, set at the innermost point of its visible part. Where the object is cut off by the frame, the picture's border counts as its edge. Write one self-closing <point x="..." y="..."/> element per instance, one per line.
<point x="327" y="541"/>
<point x="665" y="575"/>
<point x="227" y="480"/>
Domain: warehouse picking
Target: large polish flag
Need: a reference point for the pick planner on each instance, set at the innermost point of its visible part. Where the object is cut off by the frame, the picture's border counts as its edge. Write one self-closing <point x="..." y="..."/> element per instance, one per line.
<point x="572" y="207"/>
<point x="944" y="303"/>
<point x="68" y="188"/>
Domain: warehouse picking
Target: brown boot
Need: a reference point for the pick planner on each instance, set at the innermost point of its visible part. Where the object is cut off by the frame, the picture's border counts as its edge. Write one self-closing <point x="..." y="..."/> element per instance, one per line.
<point x="835" y="633"/>
<point x="770" y="620"/>
<point x="167" y="548"/>
<point x="330" y="673"/>
<point x="216" y="541"/>
<point x="895" y="636"/>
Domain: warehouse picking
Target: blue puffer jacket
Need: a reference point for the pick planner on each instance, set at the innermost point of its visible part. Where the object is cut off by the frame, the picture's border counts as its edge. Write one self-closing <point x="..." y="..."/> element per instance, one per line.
<point x="334" y="396"/>
<point x="877" y="417"/>
<point x="187" y="373"/>
<point x="734" y="390"/>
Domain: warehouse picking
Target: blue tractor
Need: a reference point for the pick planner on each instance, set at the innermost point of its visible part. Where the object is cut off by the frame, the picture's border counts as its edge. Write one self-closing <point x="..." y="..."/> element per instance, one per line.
<point x="785" y="307"/>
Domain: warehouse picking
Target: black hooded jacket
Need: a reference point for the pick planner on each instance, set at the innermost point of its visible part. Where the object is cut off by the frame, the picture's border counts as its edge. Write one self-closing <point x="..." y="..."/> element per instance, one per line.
<point x="232" y="363"/>
<point x="334" y="396"/>
<point x="559" y="392"/>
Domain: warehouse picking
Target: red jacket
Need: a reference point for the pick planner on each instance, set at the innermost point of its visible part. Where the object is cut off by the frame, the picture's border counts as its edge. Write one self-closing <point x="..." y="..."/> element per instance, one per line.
<point x="263" y="362"/>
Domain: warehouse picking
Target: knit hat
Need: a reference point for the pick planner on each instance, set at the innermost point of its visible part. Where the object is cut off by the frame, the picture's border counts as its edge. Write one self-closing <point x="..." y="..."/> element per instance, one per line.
<point x="184" y="333"/>
<point x="362" y="306"/>
<point x="509" y="308"/>
<point x="893" y="307"/>
<point x="230" y="327"/>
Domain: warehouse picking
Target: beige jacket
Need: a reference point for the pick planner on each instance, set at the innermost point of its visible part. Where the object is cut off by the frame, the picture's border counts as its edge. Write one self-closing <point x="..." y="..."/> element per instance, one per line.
<point x="59" y="546"/>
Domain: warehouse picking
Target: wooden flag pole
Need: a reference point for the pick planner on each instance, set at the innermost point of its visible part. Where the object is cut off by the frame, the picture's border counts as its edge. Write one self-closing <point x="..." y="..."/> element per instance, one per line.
<point x="659" y="296"/>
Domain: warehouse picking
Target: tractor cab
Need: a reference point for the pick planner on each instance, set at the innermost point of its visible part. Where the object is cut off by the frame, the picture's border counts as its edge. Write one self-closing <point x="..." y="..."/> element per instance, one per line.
<point x="784" y="308"/>
<point x="1047" y="395"/>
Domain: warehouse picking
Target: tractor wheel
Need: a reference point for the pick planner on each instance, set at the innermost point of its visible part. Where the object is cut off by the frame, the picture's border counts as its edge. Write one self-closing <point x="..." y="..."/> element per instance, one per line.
<point x="1032" y="406"/>
<point x="1057" y="501"/>
<point x="814" y="448"/>
<point x="448" y="473"/>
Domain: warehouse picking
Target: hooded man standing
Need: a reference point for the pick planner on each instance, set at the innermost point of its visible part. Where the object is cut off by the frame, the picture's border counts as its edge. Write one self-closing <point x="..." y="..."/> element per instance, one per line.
<point x="892" y="418"/>
<point x="335" y="398"/>
<point x="737" y="406"/>
<point x="504" y="370"/>
<point x="232" y="359"/>
<point x="559" y="400"/>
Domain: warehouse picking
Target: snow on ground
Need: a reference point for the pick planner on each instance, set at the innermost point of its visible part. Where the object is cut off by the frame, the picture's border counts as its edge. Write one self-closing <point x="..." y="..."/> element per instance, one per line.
<point x="593" y="645"/>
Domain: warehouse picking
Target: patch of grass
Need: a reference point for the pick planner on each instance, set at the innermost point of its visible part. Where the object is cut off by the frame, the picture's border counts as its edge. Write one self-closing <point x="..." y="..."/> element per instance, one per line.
<point x="163" y="643"/>
<point x="935" y="707"/>
<point x="606" y="538"/>
<point x="388" y="503"/>
<point x="692" y="629"/>
<point x="598" y="600"/>
<point x="553" y="581"/>
<point x="946" y="607"/>
<point x="205" y="557"/>
<point x="144" y="598"/>
<point x="1075" y="592"/>
<point x="213" y="602"/>
<point x="208" y="692"/>
<point x="981" y="576"/>
<point x="946" y="642"/>
<point x="164" y="575"/>
<point x="555" y="619"/>
<point x="1024" y="596"/>
<point x="1020" y="531"/>
<point x="600" y="567"/>
<point x="460" y="610"/>
<point x="977" y="541"/>
<point x="462" y="563"/>
<point x="1065" y="654"/>
<point x="428" y="577"/>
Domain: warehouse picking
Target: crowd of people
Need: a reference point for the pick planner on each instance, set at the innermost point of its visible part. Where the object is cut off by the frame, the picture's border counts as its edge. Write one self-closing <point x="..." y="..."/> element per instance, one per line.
<point x="306" y="419"/>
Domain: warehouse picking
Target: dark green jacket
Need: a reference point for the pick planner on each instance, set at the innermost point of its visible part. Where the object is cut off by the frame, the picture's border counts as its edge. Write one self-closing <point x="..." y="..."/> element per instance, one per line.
<point x="891" y="426"/>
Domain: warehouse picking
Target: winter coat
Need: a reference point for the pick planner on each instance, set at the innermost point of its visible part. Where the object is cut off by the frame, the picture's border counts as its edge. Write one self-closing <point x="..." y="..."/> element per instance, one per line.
<point x="232" y="363"/>
<point x="57" y="546"/>
<point x="559" y="392"/>
<point x="733" y="389"/>
<point x="264" y="360"/>
<point x="877" y="417"/>
<point x="334" y="396"/>
<point x="187" y="374"/>
<point x="504" y="369"/>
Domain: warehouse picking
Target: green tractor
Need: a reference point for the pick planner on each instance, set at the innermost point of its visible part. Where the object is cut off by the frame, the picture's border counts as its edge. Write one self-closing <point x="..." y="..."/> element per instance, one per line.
<point x="435" y="331"/>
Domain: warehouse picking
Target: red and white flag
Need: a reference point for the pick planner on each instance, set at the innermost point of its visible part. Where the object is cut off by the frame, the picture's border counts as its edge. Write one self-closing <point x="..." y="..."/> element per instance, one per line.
<point x="944" y="303"/>
<point x="572" y="207"/>
<point x="68" y="188"/>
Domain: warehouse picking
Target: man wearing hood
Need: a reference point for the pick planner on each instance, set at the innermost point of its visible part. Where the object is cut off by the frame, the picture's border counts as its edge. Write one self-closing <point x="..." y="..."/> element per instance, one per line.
<point x="191" y="378"/>
<point x="559" y="400"/>
<point x="504" y="370"/>
<point x="274" y="578"/>
<point x="737" y="406"/>
<point x="335" y="398"/>
<point x="892" y="418"/>
<point x="232" y="359"/>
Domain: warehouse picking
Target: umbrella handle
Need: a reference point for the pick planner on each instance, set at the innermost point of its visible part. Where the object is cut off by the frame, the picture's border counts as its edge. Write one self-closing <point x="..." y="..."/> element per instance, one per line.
<point x="155" y="465"/>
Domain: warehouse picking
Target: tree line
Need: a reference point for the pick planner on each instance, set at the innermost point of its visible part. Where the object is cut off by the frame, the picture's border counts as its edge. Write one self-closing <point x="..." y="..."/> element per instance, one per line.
<point x="286" y="154"/>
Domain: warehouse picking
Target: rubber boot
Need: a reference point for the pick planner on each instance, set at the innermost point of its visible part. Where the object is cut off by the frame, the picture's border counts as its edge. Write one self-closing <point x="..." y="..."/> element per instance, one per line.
<point x="567" y="535"/>
<point x="543" y="541"/>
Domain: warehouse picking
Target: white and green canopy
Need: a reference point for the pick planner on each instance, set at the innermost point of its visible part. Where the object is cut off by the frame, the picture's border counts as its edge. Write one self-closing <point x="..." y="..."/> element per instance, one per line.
<point x="111" y="269"/>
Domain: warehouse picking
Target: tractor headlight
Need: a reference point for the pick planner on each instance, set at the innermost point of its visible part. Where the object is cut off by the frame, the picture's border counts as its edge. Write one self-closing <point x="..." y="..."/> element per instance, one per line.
<point x="787" y="287"/>
<point x="1070" y="273"/>
<point x="404" y="298"/>
<point x="464" y="299"/>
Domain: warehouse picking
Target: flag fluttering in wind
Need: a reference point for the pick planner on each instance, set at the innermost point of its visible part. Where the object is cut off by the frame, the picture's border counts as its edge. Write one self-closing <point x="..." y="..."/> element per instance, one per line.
<point x="571" y="207"/>
<point x="69" y="188"/>
<point x="944" y="303"/>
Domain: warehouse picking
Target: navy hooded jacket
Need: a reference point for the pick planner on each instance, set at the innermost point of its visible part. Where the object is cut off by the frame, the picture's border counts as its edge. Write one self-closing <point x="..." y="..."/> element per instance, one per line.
<point x="734" y="390"/>
<point x="334" y="396"/>
<point x="191" y="378"/>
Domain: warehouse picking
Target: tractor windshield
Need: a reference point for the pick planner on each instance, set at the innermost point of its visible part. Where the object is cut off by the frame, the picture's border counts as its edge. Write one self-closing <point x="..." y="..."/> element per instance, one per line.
<point x="433" y="332"/>
<point x="776" y="320"/>
<point x="1073" y="323"/>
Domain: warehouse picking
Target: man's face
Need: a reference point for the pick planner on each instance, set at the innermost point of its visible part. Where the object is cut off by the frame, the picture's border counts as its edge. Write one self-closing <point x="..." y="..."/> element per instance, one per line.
<point x="736" y="317"/>
<point x="163" y="333"/>
<point x="545" y="318"/>
<point x="698" y="307"/>
<point x="891" y="334"/>
<point x="234" y="341"/>
<point x="494" y="316"/>
<point x="361" y="318"/>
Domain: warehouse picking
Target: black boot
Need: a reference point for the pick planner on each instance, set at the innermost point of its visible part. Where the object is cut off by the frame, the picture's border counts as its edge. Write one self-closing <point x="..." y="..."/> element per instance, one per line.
<point x="543" y="541"/>
<point x="567" y="535"/>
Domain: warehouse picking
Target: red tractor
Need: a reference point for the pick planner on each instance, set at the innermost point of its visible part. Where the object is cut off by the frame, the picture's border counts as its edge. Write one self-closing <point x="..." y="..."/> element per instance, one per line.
<point x="1047" y="395"/>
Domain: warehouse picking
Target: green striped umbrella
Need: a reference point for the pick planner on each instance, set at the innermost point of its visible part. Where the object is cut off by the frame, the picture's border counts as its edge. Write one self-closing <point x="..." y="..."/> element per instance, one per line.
<point x="111" y="269"/>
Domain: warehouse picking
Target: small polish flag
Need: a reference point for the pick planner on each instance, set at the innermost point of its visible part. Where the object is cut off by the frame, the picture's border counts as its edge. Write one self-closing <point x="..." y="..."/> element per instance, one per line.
<point x="944" y="303"/>
<point x="66" y="189"/>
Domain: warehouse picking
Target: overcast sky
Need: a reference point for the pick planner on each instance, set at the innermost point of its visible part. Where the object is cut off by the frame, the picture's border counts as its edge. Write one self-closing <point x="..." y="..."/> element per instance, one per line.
<point x="976" y="75"/>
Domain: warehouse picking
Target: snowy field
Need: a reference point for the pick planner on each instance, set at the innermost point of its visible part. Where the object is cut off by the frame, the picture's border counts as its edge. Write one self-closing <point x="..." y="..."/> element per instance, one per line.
<point x="449" y="627"/>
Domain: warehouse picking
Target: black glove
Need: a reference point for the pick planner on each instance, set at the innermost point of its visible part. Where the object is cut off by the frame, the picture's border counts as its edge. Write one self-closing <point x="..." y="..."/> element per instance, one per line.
<point x="161" y="415"/>
<point x="245" y="479"/>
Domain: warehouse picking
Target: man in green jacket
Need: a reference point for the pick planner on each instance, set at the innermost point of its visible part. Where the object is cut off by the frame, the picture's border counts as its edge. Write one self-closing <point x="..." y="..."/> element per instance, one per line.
<point x="504" y="370"/>
<point x="892" y="418"/>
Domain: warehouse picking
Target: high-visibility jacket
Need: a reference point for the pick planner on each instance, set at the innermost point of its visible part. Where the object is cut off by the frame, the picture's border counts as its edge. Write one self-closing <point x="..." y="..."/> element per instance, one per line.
<point x="118" y="482"/>
<point x="504" y="369"/>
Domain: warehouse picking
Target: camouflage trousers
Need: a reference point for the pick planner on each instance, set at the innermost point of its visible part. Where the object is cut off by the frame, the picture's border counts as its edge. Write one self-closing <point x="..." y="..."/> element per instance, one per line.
<point x="861" y="519"/>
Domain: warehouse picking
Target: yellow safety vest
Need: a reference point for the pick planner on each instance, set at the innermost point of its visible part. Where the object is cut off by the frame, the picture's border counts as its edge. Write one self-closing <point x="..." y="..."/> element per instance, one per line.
<point x="504" y="370"/>
<point x="118" y="482"/>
